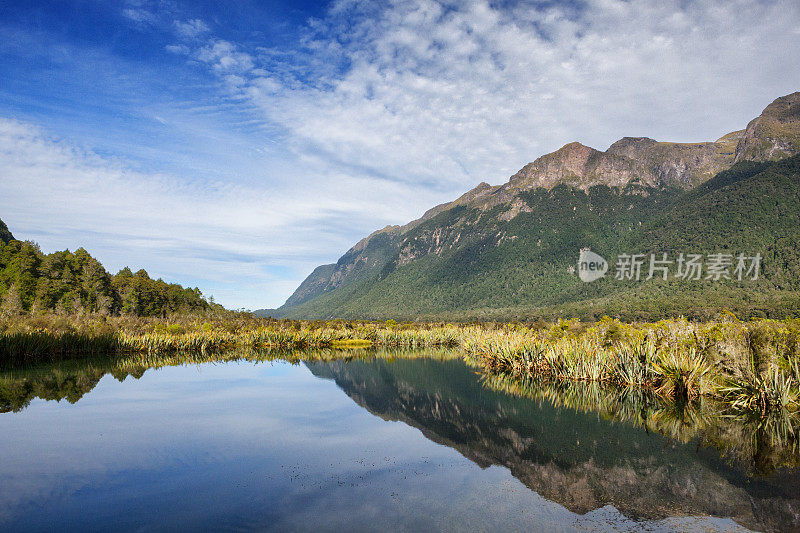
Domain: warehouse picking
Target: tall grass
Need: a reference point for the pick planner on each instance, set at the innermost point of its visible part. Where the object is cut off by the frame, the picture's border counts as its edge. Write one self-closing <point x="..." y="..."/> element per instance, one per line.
<point x="751" y="366"/>
<point x="23" y="347"/>
<point x="41" y="338"/>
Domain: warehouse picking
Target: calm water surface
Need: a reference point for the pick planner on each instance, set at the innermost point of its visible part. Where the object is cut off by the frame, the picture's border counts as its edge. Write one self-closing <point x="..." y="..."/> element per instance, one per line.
<point x="405" y="444"/>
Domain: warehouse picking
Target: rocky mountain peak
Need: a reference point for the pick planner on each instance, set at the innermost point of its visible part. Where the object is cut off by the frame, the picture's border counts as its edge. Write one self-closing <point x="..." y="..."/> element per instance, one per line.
<point x="774" y="134"/>
<point x="784" y="109"/>
<point x="573" y="156"/>
<point x="631" y="147"/>
<point x="571" y="164"/>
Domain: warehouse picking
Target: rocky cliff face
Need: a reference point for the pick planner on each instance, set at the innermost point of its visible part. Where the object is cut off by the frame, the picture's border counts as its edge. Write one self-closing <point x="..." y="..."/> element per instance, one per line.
<point x="576" y="165"/>
<point x="678" y="164"/>
<point x="774" y="134"/>
<point x="638" y="160"/>
<point x="579" y="166"/>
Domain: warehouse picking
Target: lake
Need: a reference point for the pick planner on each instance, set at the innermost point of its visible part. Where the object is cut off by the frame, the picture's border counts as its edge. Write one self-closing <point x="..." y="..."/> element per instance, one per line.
<point x="382" y="441"/>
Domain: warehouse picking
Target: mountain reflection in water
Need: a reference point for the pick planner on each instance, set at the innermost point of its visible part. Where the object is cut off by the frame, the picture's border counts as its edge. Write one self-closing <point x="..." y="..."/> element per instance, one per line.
<point x="572" y="455"/>
<point x="581" y="446"/>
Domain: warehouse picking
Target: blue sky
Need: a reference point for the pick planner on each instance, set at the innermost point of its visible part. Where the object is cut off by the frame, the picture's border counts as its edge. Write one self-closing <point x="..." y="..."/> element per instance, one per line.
<point x="235" y="146"/>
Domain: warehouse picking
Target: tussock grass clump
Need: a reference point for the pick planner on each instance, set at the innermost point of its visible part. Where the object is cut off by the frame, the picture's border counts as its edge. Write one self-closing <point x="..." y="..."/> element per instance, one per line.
<point x="682" y="374"/>
<point x="632" y="363"/>
<point x="752" y="366"/>
<point x="764" y="391"/>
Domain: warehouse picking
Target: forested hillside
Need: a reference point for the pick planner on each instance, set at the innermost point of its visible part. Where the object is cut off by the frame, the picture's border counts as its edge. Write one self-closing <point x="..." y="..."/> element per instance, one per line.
<point x="73" y="282"/>
<point x="524" y="268"/>
<point x="510" y="251"/>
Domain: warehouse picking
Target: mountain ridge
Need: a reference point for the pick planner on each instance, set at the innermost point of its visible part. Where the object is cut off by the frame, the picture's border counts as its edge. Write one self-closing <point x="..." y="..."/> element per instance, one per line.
<point x="660" y="172"/>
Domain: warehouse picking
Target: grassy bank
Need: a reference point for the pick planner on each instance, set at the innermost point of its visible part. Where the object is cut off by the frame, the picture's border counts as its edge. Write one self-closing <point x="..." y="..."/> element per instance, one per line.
<point x="751" y="366"/>
<point x="49" y="338"/>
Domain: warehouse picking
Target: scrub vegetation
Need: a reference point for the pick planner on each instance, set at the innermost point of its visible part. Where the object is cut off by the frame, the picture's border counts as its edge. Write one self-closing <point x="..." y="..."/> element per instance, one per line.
<point x="751" y="366"/>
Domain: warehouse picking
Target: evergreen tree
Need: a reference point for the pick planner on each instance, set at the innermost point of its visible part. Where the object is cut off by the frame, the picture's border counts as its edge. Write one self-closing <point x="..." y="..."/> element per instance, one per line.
<point x="69" y="283"/>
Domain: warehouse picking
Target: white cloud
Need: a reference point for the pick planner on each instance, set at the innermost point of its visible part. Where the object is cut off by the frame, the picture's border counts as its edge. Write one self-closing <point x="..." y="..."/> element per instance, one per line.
<point x="225" y="57"/>
<point x="178" y="49"/>
<point x="191" y="28"/>
<point x="140" y="15"/>
<point x="247" y="245"/>
<point x="453" y="93"/>
<point x="383" y="110"/>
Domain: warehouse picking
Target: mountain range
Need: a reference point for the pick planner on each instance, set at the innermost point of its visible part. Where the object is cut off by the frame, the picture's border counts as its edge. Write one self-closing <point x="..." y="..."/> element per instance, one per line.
<point x="510" y="251"/>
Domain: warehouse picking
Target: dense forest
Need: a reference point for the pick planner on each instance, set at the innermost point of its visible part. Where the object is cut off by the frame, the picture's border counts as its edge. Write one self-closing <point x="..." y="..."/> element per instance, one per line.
<point x="75" y="282"/>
